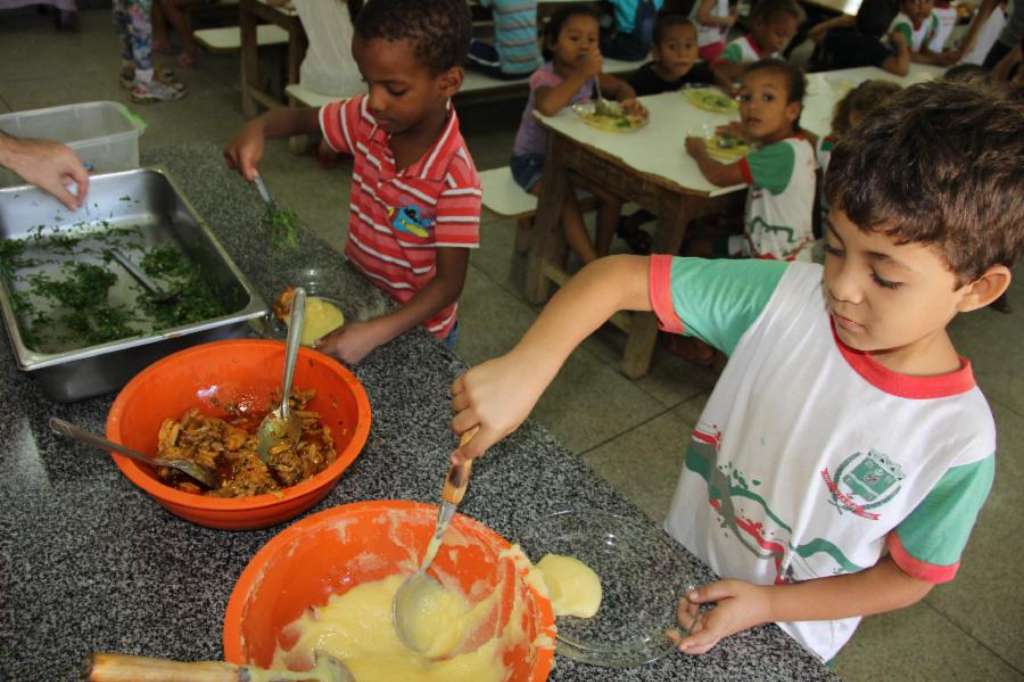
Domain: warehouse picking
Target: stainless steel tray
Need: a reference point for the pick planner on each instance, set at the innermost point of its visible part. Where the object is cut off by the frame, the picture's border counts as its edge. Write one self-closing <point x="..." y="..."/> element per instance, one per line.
<point x="149" y="200"/>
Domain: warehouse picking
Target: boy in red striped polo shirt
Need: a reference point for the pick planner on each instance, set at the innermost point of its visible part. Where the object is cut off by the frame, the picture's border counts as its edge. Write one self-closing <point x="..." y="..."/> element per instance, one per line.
<point x="415" y="200"/>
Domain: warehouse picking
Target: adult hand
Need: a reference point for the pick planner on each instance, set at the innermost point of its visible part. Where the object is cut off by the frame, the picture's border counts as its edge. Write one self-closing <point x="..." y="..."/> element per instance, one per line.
<point x="49" y="165"/>
<point x="497" y="396"/>
<point x="351" y="342"/>
<point x="739" y="606"/>
<point x="243" y="153"/>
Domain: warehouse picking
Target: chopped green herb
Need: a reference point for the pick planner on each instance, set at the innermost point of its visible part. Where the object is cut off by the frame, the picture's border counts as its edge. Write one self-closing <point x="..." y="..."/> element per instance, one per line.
<point x="283" y="225"/>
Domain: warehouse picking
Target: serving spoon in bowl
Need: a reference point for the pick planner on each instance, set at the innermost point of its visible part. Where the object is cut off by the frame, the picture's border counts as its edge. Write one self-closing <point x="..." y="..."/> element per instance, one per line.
<point x="282" y="425"/>
<point x="188" y="467"/>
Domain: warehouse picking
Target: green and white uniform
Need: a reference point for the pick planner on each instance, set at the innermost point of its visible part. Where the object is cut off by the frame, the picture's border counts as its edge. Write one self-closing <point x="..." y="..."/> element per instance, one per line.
<point x="916" y="38"/>
<point x="824" y="156"/>
<point x="780" y="204"/>
<point x="811" y="459"/>
<point x="744" y="50"/>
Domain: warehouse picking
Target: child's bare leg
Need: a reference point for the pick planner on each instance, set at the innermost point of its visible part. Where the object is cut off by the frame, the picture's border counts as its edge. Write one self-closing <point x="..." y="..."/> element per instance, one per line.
<point x="608" y="213"/>
<point x="176" y="17"/>
<point x="161" y="40"/>
<point x="576" y="230"/>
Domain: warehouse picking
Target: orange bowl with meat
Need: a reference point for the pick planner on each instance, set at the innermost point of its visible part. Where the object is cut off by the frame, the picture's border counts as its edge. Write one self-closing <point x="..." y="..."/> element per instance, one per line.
<point x="238" y="381"/>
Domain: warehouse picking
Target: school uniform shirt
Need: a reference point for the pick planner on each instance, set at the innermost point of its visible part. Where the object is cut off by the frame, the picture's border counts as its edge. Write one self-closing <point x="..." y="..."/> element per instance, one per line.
<point x="810" y="459"/>
<point x="916" y="38"/>
<point x="780" y="202"/>
<point x="515" y="35"/>
<point x="709" y="35"/>
<point x="399" y="218"/>
<point x="744" y="50"/>
<point x="647" y="82"/>
<point x="946" y="21"/>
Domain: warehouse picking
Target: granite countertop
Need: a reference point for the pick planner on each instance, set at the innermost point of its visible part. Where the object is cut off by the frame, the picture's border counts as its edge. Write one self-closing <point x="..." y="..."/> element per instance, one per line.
<point x="88" y="562"/>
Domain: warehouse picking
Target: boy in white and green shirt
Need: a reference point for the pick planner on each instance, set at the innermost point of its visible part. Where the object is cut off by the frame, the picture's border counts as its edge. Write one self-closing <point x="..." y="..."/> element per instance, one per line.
<point x="843" y="457"/>
<point x="917" y="26"/>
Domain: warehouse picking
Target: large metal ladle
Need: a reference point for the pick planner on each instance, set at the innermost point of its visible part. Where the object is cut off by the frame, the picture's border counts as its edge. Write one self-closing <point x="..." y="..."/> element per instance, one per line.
<point x="281" y="425"/>
<point x="420" y="588"/>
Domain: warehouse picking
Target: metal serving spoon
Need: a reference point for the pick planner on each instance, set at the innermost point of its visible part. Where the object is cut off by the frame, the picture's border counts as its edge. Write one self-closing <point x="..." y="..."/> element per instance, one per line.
<point x="155" y="291"/>
<point x="419" y="586"/>
<point x="120" y="667"/>
<point x="282" y="425"/>
<point x="187" y="467"/>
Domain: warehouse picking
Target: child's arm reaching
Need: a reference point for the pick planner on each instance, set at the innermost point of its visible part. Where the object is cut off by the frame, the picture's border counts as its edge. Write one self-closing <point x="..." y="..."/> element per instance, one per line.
<point x="550" y="100"/>
<point x="740" y="605"/>
<point x="619" y="90"/>
<point x="354" y="341"/>
<point x="720" y="174"/>
<point x="499" y="394"/>
<point x="244" y="152"/>
<point x="898" y="63"/>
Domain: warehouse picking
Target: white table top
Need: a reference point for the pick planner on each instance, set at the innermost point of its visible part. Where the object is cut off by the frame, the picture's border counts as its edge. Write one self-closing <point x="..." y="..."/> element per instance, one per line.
<point x="658" y="149"/>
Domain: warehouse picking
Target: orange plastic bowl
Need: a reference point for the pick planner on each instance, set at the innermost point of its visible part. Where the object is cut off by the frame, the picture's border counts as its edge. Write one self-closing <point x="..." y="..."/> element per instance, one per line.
<point x="243" y="373"/>
<point x="334" y="550"/>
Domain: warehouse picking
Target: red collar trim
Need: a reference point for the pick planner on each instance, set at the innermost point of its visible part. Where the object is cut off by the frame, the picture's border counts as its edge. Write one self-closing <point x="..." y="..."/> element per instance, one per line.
<point x="906" y="385"/>
<point x="434" y="163"/>
<point x="754" y="46"/>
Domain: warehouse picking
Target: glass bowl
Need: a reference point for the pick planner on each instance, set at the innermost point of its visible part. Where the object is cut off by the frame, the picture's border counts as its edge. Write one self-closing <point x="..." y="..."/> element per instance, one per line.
<point x="643" y="575"/>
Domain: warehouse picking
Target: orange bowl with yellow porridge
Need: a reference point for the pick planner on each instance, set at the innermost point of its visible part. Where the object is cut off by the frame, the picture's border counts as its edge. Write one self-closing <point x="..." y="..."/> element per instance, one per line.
<point x="327" y="582"/>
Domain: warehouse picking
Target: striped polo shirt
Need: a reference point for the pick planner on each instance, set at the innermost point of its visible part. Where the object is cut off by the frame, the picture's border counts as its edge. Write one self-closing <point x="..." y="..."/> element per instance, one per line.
<point x="515" y="34"/>
<point x="398" y="219"/>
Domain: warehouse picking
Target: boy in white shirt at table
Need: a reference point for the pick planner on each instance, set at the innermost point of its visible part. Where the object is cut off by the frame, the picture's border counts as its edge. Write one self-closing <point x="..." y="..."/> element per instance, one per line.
<point x="844" y="455"/>
<point x="918" y="26"/>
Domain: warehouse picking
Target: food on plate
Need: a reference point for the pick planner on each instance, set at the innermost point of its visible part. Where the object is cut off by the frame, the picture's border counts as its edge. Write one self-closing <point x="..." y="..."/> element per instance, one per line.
<point x="711" y="99"/>
<point x="609" y="117"/>
<point x="574" y="587"/>
<point x="321" y="316"/>
<point x="726" y="147"/>
<point x="229" y="448"/>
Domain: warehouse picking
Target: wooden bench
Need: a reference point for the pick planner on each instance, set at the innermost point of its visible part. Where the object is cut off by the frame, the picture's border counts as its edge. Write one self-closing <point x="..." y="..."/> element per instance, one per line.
<point x="228" y="39"/>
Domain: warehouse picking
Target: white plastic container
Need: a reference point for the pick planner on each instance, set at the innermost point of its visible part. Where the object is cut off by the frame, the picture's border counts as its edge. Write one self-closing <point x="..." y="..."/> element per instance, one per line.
<point x="105" y="135"/>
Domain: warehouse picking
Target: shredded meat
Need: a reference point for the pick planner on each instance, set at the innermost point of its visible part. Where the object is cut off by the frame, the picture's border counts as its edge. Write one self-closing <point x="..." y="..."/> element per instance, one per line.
<point x="230" y="449"/>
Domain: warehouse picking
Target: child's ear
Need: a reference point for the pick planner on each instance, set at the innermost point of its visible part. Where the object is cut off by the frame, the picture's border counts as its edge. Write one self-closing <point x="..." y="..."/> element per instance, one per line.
<point x="987" y="288"/>
<point x="450" y="81"/>
<point x="793" y="110"/>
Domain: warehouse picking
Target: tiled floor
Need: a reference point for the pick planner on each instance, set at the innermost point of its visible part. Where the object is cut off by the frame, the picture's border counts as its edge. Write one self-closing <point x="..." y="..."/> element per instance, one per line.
<point x="630" y="432"/>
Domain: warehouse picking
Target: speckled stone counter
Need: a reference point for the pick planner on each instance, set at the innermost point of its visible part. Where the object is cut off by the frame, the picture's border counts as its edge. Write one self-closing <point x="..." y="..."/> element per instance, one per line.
<point x="90" y="563"/>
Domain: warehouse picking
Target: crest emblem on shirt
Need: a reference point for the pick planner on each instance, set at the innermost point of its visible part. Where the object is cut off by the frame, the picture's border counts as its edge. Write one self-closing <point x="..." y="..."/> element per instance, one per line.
<point x="863" y="482"/>
<point x="408" y="219"/>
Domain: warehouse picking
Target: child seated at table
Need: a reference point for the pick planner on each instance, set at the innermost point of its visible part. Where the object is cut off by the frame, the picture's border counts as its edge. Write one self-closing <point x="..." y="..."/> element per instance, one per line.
<point x="515" y="52"/>
<point x="847" y="115"/>
<point x="675" y="61"/>
<point x="780" y="171"/>
<point x="917" y="24"/>
<point x="714" y="18"/>
<point x="633" y="32"/>
<point x="415" y="199"/>
<point x="571" y="40"/>
<point x="843" y="457"/>
<point x="773" y="23"/>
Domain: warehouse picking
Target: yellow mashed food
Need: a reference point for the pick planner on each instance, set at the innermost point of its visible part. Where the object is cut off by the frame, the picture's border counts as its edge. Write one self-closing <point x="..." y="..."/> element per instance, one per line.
<point x="574" y="587"/>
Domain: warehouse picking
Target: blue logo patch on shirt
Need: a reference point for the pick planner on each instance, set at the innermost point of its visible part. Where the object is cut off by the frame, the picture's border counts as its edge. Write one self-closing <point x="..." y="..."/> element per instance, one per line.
<point x="409" y="220"/>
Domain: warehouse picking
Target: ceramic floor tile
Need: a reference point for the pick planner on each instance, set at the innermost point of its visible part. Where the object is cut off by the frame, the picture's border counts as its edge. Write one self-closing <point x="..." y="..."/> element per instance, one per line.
<point x="586" y="405"/>
<point x="497" y="257"/>
<point x="917" y="643"/>
<point x="644" y="464"/>
<point x="985" y="599"/>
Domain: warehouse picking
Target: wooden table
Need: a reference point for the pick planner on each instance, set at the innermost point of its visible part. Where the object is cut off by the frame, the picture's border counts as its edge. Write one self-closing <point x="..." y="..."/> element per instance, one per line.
<point x="251" y="13"/>
<point x="650" y="167"/>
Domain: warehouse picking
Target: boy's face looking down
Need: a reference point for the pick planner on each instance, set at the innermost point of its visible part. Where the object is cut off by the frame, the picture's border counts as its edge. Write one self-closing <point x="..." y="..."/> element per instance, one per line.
<point x="774" y="33"/>
<point x="402" y="92"/>
<point x="893" y="300"/>
<point x="577" y="38"/>
<point x="917" y="10"/>
<point x="765" y="112"/>
<point x="676" y="51"/>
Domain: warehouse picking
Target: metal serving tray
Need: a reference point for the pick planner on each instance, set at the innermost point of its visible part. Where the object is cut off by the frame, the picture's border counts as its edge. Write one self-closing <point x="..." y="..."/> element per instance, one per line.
<point x="147" y="199"/>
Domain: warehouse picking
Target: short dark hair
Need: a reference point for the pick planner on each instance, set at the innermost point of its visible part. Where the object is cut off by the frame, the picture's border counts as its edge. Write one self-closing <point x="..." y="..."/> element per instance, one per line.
<point x="863" y="99"/>
<point x="666" y="21"/>
<point x="439" y="30"/>
<point x="940" y="164"/>
<point x="770" y="10"/>
<point x="562" y="15"/>
<point x="796" y="82"/>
